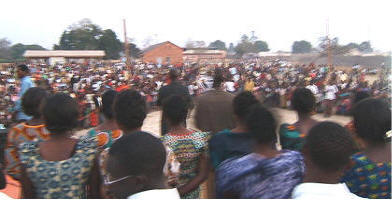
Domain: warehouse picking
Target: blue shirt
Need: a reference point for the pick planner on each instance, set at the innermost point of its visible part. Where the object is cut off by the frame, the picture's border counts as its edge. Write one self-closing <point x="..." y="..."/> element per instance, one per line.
<point x="25" y="84"/>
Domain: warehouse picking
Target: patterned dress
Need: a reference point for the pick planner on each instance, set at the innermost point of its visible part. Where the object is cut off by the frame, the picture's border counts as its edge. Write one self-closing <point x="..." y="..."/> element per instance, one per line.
<point x="368" y="179"/>
<point x="105" y="138"/>
<point x="291" y="138"/>
<point x="188" y="149"/>
<point x="255" y="177"/>
<point x="66" y="179"/>
<point x="19" y="134"/>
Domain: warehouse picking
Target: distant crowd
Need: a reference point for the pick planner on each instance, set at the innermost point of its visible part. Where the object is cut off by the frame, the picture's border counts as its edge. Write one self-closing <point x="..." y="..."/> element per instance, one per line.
<point x="239" y="148"/>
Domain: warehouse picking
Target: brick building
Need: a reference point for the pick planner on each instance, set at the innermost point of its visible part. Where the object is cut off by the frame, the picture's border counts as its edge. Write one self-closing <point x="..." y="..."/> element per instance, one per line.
<point x="204" y="55"/>
<point x="165" y="53"/>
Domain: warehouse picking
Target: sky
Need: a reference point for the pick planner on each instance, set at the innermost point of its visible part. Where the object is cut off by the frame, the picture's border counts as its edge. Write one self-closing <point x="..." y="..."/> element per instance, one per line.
<point x="278" y="22"/>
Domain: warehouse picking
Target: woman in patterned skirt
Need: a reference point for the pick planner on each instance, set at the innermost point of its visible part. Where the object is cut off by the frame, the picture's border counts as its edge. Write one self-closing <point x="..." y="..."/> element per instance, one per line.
<point x="190" y="148"/>
<point x="371" y="175"/>
<point x="33" y="129"/>
<point x="61" y="167"/>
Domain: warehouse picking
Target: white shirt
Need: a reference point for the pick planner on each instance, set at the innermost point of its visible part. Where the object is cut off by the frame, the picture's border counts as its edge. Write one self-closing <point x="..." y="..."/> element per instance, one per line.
<point x="330" y="92"/>
<point x="320" y="191"/>
<point x="230" y="86"/>
<point x="313" y="88"/>
<point x="157" y="194"/>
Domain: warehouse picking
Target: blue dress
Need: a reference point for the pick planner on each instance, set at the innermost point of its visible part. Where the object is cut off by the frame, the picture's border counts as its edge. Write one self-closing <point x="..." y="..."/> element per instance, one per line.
<point x="255" y="177"/>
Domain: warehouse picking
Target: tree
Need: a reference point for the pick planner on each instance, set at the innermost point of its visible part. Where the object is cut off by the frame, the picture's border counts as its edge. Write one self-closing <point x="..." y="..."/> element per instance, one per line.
<point x="260" y="46"/>
<point x="111" y="44"/>
<point x="231" y="48"/>
<point x="301" y="47"/>
<point x="18" y="50"/>
<point x="352" y="45"/>
<point x="218" y="45"/>
<point x="85" y="35"/>
<point x="336" y="49"/>
<point x="134" y="51"/>
<point x="5" y="48"/>
<point x="365" y="47"/>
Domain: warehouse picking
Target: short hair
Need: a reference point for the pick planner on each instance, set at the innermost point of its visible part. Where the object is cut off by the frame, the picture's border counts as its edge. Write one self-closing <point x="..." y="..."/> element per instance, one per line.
<point x="303" y="100"/>
<point x="23" y="68"/>
<point x="130" y="109"/>
<point x="242" y="103"/>
<point x="173" y="74"/>
<point x="359" y="96"/>
<point x="218" y="78"/>
<point x="108" y="98"/>
<point x="261" y="124"/>
<point x="139" y="153"/>
<point x="175" y="108"/>
<point x="329" y="146"/>
<point x="61" y="113"/>
<point x="32" y="99"/>
<point x="372" y="119"/>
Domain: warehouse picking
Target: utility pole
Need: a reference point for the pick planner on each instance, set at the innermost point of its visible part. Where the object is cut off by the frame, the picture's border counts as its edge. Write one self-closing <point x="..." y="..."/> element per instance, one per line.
<point x="329" y="46"/>
<point x="126" y="48"/>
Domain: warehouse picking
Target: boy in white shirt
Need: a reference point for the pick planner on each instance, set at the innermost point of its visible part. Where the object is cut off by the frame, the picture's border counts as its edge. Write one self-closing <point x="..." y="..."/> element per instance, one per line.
<point x="327" y="152"/>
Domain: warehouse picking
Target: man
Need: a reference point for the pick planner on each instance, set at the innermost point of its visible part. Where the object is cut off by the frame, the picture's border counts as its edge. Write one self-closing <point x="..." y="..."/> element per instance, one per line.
<point x="135" y="168"/>
<point x="173" y="88"/>
<point x="214" y="113"/>
<point x="25" y="84"/>
<point x="327" y="152"/>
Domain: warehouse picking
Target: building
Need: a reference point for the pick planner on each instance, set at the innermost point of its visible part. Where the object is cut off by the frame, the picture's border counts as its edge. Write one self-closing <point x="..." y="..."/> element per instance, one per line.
<point x="63" y="56"/>
<point x="201" y="55"/>
<point x="165" y="53"/>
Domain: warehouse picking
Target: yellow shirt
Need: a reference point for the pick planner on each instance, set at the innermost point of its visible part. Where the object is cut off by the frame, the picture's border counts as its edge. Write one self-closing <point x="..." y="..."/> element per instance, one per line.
<point x="249" y="85"/>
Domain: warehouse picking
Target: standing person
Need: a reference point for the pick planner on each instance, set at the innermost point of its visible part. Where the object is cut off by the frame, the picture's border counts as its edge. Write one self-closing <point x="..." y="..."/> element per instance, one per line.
<point x="61" y="167"/>
<point x="264" y="174"/>
<point x="327" y="152"/>
<point x="107" y="132"/>
<point x="214" y="110"/>
<point x="25" y="83"/>
<point x="135" y="168"/>
<point x="173" y="88"/>
<point x="330" y="97"/>
<point x="370" y="176"/>
<point x="238" y="141"/>
<point x="189" y="146"/>
<point x="292" y="136"/>
<point x="33" y="129"/>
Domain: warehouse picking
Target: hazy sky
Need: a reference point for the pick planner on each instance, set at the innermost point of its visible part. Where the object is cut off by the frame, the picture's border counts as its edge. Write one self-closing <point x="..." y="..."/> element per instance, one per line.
<point x="276" y="21"/>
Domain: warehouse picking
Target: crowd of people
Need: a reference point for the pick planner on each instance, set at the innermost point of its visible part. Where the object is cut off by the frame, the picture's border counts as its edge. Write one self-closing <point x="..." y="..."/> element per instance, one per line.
<point x="240" y="149"/>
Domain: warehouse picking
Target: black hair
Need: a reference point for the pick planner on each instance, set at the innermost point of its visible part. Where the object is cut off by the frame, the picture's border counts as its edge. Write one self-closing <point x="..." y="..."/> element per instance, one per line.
<point x="329" y="146"/>
<point x="108" y="98"/>
<point x="173" y="74"/>
<point x="372" y="119"/>
<point x="139" y="153"/>
<point x="359" y="96"/>
<point x="242" y="102"/>
<point x="175" y="108"/>
<point x="23" y="68"/>
<point x="130" y="109"/>
<point x="32" y="99"/>
<point x="60" y="113"/>
<point x="218" y="78"/>
<point x="303" y="100"/>
<point x="261" y="124"/>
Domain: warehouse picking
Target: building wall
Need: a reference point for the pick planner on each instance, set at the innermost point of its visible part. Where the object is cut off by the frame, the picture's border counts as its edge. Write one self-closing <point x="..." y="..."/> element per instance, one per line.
<point x="163" y="53"/>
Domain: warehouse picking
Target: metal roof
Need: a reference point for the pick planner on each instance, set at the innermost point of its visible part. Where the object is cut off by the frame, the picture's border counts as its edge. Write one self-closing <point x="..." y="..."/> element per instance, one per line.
<point x="63" y="53"/>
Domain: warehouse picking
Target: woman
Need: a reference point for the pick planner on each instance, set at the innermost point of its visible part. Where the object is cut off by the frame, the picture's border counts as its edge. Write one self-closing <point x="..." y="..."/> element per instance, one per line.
<point x="264" y="174"/>
<point x="108" y="131"/>
<point x="61" y="167"/>
<point x="371" y="175"/>
<point x="292" y="136"/>
<point x="238" y="141"/>
<point x="190" y="147"/>
<point x="33" y="129"/>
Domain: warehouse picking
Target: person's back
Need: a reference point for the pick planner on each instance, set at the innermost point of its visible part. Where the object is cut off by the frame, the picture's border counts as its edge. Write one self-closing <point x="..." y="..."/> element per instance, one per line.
<point x="327" y="151"/>
<point x="61" y="167"/>
<point x="25" y="84"/>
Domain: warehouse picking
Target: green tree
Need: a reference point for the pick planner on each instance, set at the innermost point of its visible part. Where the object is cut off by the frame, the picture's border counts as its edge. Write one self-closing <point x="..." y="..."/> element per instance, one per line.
<point x="111" y="44"/>
<point x="218" y="45"/>
<point x="260" y="46"/>
<point x="5" y="48"/>
<point x="18" y="50"/>
<point x="352" y="45"/>
<point x="134" y="51"/>
<point x="365" y="47"/>
<point x="301" y="47"/>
